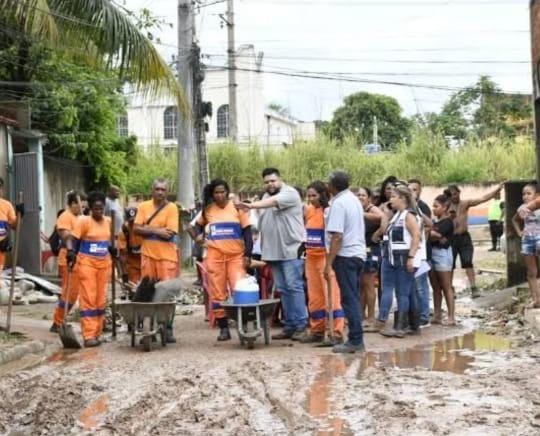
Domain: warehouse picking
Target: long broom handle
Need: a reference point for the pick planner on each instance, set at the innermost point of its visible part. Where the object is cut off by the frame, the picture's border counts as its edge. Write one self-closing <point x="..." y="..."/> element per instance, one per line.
<point x="14" y="264"/>
<point x="113" y="275"/>
<point x="330" y="308"/>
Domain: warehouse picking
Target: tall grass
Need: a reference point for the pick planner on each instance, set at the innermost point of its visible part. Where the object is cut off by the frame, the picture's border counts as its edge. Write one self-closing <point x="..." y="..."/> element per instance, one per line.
<point x="427" y="158"/>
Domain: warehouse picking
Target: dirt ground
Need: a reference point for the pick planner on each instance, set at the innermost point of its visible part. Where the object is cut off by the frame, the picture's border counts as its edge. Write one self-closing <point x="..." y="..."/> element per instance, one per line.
<point x="449" y="381"/>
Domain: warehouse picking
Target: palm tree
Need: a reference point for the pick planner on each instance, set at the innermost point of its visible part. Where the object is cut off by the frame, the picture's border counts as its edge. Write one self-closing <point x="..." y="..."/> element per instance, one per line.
<point x="98" y="32"/>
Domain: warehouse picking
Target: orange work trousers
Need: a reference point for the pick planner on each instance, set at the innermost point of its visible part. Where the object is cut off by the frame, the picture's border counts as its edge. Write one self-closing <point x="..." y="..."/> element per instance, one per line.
<point x="92" y="298"/>
<point x="318" y="296"/>
<point x="158" y="269"/>
<point x="68" y="296"/>
<point x="133" y="266"/>
<point x="223" y="270"/>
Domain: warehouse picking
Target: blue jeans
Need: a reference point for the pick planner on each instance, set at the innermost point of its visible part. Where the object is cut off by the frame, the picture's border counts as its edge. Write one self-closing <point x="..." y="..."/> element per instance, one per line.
<point x="397" y="278"/>
<point x="348" y="270"/>
<point x="422" y="293"/>
<point x="288" y="276"/>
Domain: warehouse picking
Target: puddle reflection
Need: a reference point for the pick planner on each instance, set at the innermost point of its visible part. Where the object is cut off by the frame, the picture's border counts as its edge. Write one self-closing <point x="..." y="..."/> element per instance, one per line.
<point x="65" y="355"/>
<point x="90" y="416"/>
<point x="319" y="404"/>
<point x="445" y="355"/>
<point x="440" y="356"/>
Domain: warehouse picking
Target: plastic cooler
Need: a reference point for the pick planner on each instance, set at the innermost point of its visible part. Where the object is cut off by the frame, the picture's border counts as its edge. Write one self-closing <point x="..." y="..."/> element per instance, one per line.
<point x="246" y="291"/>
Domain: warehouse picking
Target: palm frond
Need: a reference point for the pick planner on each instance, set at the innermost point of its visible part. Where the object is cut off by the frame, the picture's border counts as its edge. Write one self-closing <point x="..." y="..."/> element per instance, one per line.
<point x="99" y="30"/>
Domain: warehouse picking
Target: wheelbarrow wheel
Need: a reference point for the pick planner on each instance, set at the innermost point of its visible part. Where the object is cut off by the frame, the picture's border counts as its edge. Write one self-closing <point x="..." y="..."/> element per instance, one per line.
<point x="147" y="343"/>
<point x="163" y="334"/>
<point x="266" y="331"/>
<point x="250" y="343"/>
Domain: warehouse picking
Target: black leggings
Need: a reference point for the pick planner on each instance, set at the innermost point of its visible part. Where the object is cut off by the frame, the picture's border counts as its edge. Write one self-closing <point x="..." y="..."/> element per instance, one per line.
<point x="496" y="231"/>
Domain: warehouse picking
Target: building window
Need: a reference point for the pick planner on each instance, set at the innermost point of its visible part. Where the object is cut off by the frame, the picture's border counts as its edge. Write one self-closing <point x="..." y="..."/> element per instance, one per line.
<point x="223" y="121"/>
<point x="170" y="123"/>
<point x="122" y="125"/>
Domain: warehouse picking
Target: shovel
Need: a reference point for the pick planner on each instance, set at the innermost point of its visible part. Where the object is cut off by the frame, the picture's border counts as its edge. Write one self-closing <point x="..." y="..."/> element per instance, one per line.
<point x="329" y="341"/>
<point x="113" y="275"/>
<point x="67" y="335"/>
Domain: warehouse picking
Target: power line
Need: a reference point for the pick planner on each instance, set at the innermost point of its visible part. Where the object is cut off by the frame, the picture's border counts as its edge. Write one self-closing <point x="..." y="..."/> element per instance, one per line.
<point x="359" y="80"/>
<point x="397" y="61"/>
<point x="359" y="3"/>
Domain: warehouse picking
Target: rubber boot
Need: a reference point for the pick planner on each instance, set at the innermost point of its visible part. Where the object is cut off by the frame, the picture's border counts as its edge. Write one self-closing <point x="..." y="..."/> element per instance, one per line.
<point x="224" y="333"/>
<point x="391" y="331"/>
<point x="169" y="336"/>
<point x="414" y="323"/>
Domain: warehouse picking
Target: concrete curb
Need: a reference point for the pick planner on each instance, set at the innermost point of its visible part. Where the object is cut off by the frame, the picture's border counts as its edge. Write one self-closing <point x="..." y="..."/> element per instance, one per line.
<point x="20" y="350"/>
<point x="504" y="298"/>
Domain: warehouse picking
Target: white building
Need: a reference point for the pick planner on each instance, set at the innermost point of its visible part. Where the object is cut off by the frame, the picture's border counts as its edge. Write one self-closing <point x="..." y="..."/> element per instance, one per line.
<point x="154" y="121"/>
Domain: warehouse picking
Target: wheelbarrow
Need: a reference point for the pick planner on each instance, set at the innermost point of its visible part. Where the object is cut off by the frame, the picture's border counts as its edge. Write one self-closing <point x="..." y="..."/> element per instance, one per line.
<point x="147" y="320"/>
<point x="252" y="320"/>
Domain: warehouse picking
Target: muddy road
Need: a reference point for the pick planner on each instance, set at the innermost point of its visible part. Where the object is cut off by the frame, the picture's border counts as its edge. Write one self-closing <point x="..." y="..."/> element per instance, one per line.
<point x="447" y="381"/>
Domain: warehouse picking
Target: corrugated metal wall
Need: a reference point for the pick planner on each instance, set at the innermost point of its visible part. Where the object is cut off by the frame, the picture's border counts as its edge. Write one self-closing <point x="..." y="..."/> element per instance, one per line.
<point x="26" y="181"/>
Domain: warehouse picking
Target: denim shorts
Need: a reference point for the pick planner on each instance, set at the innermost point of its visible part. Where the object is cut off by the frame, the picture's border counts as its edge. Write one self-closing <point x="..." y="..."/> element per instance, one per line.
<point x="442" y="259"/>
<point x="373" y="261"/>
<point x="530" y="245"/>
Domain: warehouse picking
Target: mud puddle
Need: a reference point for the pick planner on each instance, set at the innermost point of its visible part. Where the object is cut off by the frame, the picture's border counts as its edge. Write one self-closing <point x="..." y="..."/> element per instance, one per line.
<point x="454" y="355"/>
<point x="449" y="355"/>
<point x="94" y="413"/>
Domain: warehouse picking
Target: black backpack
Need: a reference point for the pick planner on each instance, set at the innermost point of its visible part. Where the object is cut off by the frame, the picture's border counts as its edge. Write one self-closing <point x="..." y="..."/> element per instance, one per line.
<point x="55" y="241"/>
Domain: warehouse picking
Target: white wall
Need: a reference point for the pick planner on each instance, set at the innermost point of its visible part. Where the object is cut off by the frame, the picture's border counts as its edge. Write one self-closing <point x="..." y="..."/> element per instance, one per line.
<point x="145" y="115"/>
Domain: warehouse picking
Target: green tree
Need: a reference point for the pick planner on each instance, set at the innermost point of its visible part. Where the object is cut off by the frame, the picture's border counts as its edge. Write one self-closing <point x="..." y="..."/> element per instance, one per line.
<point x="96" y="32"/>
<point x="79" y="115"/>
<point x="483" y="110"/>
<point x="356" y="116"/>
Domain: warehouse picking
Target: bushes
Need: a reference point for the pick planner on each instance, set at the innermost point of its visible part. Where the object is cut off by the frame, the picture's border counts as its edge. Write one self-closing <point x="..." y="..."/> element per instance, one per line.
<point x="427" y="158"/>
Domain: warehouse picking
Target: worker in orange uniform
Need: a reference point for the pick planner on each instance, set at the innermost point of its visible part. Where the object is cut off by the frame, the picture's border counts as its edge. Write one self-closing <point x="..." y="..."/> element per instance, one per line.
<point x="65" y="224"/>
<point x="315" y="263"/>
<point x="229" y="243"/>
<point x="7" y="219"/>
<point x="93" y="259"/>
<point x="157" y="223"/>
<point x="129" y="245"/>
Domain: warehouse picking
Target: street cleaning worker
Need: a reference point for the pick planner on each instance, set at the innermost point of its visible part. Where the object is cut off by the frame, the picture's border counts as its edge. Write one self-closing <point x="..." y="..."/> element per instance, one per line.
<point x="229" y="242"/>
<point x="157" y="223"/>
<point x="7" y="219"/>
<point x="129" y="245"/>
<point x="94" y="263"/>
<point x="65" y="224"/>
<point x="315" y="262"/>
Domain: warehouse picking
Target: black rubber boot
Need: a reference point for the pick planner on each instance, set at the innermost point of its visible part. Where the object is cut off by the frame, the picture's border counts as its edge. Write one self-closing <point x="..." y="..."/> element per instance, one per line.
<point x="414" y="323"/>
<point x="169" y="336"/>
<point x="224" y="333"/>
<point x="402" y="324"/>
<point x="397" y="329"/>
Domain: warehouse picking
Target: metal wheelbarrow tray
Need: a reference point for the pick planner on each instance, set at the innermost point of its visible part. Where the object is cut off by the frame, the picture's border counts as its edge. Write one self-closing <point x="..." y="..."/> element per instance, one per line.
<point x="147" y="320"/>
<point x="252" y="320"/>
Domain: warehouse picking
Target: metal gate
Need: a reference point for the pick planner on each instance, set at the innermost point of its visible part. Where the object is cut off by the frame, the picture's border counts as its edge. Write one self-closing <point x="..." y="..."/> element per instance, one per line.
<point x="27" y="181"/>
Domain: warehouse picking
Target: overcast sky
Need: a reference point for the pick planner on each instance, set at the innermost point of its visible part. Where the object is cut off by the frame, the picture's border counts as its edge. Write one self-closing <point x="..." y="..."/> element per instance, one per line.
<point x="426" y="42"/>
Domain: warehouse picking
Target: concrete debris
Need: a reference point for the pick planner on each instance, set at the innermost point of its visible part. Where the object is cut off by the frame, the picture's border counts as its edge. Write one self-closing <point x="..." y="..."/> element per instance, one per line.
<point x="29" y="289"/>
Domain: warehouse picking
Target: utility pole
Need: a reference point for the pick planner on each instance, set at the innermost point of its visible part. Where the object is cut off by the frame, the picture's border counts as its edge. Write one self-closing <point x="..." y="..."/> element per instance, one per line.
<point x="231" y="52"/>
<point x="535" y="57"/>
<point x="201" y="109"/>
<point x="375" y="130"/>
<point x="185" y="123"/>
